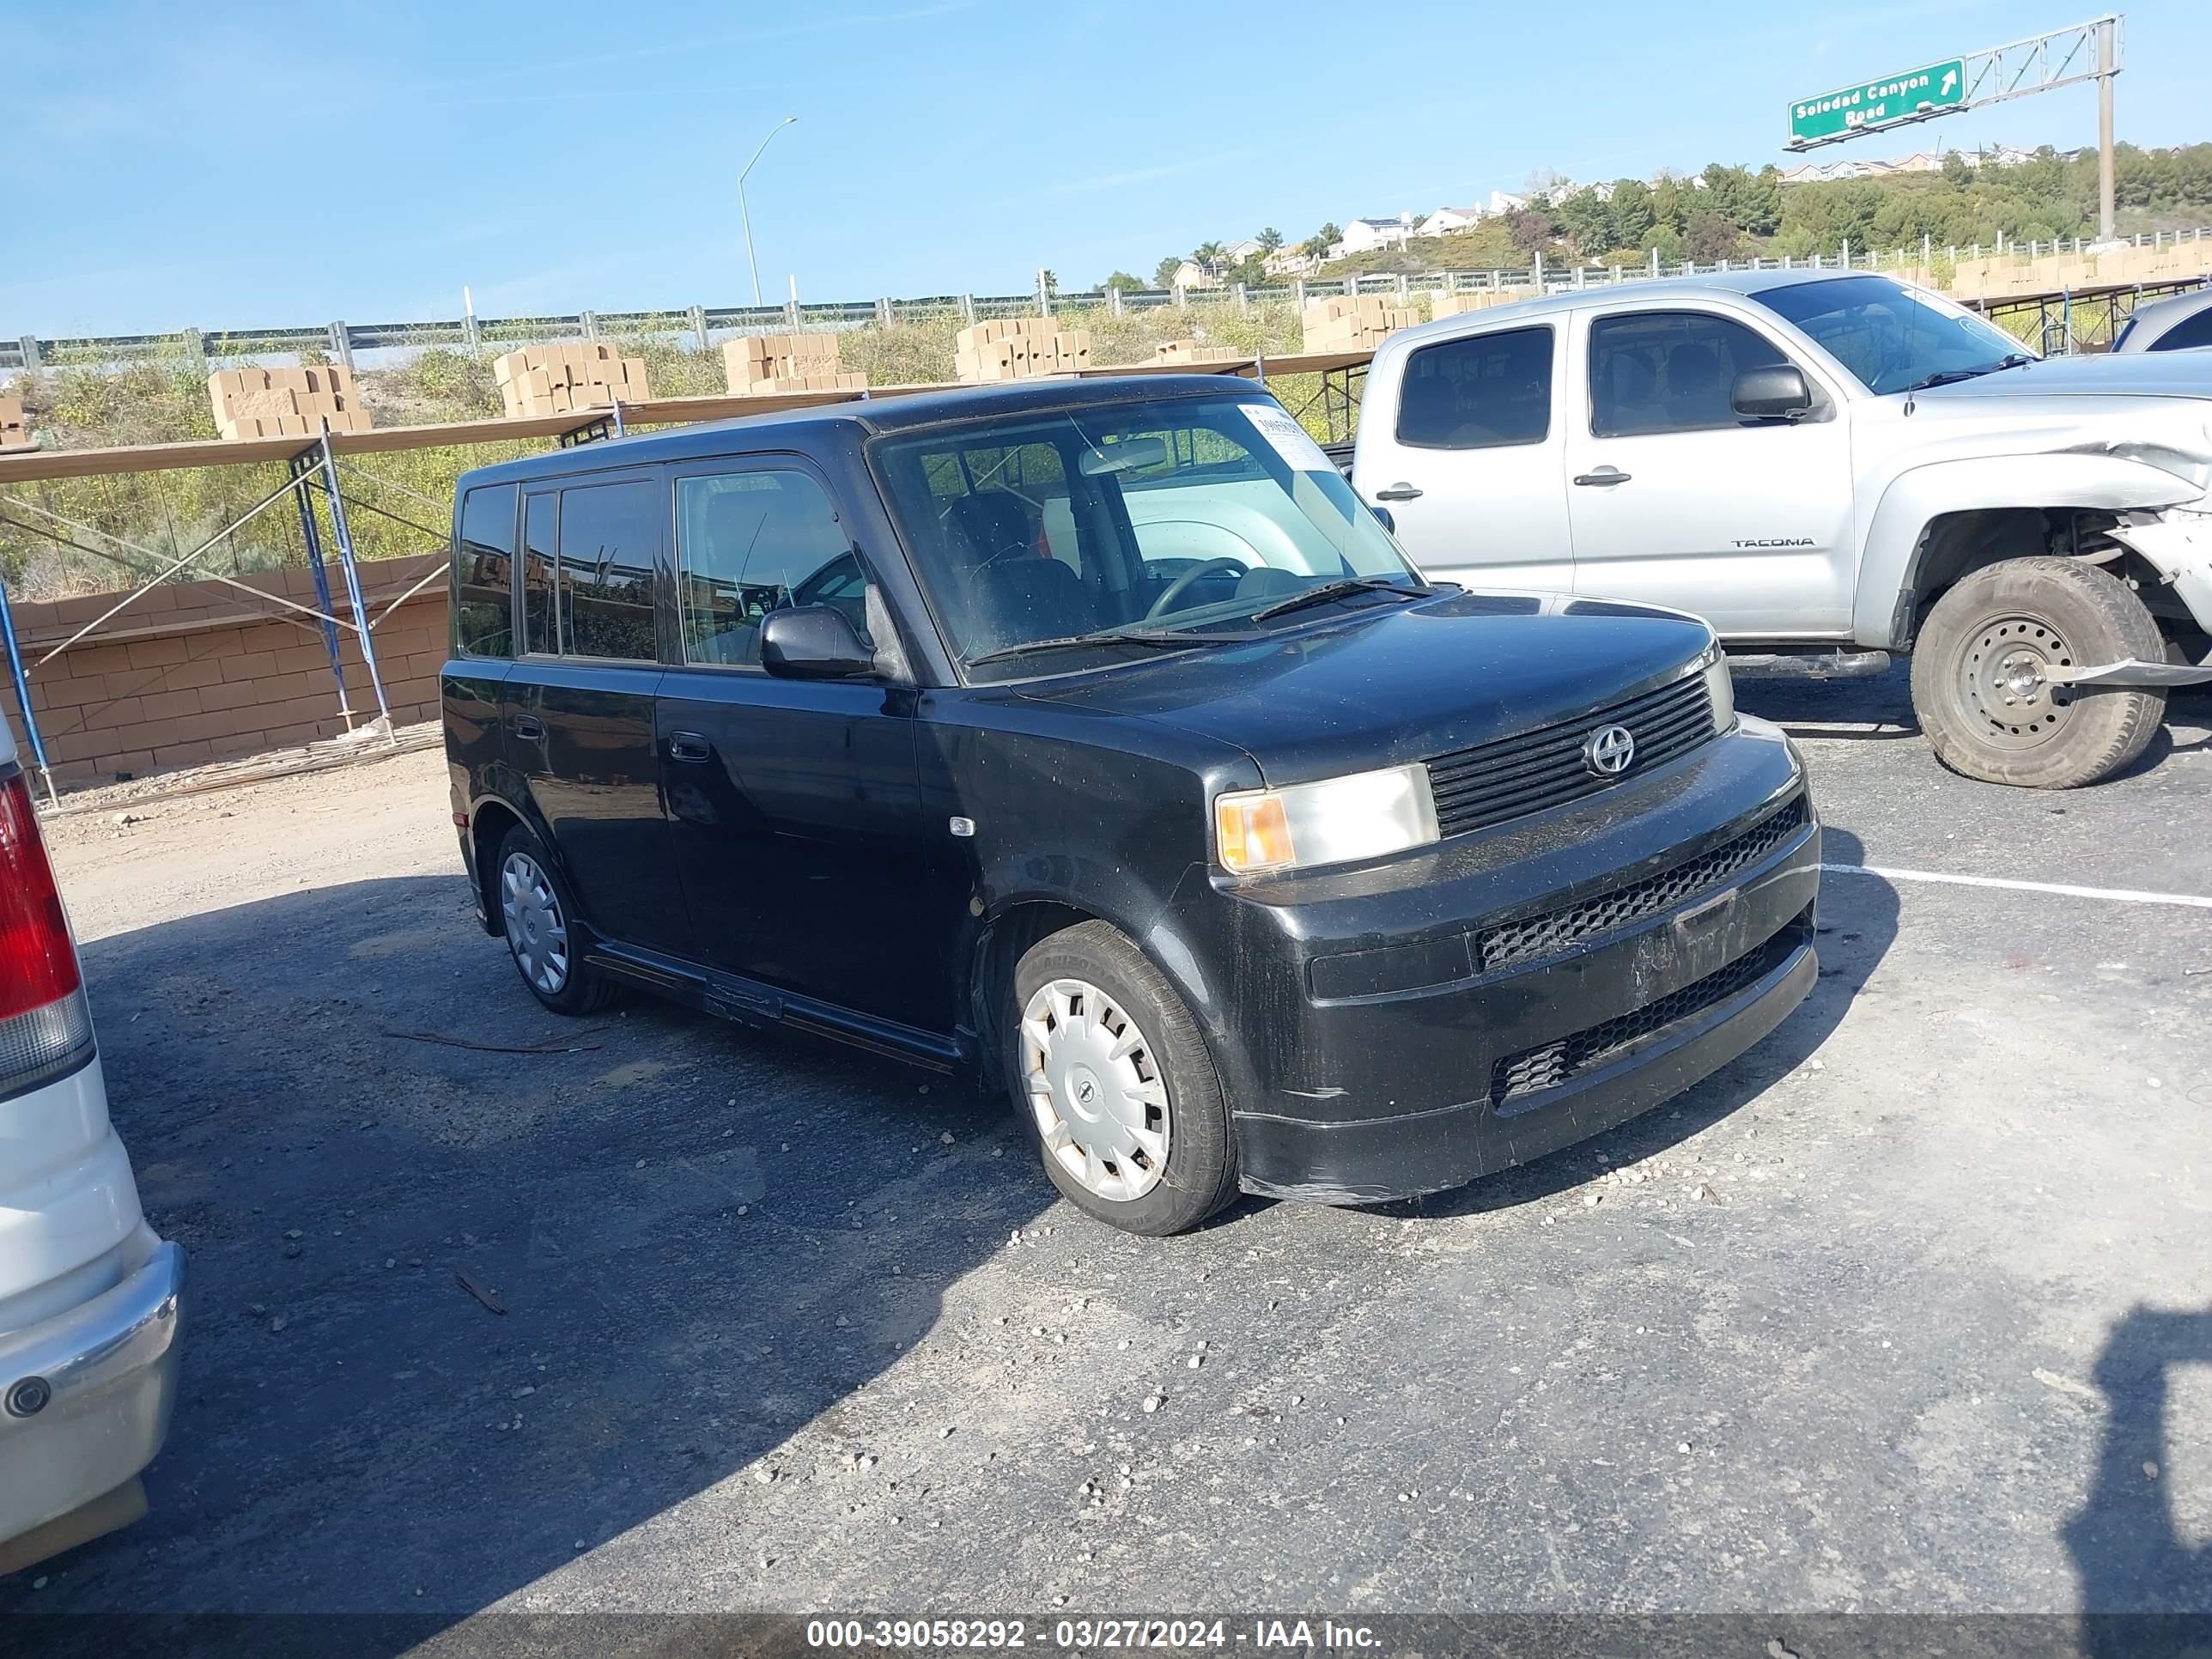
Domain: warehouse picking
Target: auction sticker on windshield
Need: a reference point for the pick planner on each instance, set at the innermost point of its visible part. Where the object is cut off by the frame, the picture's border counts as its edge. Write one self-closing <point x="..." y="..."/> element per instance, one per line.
<point x="1289" y="440"/>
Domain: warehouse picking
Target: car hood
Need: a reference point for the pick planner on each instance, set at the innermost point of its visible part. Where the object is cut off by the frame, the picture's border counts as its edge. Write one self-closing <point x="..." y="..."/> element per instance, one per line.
<point x="2127" y="375"/>
<point x="1387" y="685"/>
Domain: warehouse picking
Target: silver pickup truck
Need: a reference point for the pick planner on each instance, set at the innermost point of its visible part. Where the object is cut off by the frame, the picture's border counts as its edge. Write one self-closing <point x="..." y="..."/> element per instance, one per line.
<point x="1831" y="467"/>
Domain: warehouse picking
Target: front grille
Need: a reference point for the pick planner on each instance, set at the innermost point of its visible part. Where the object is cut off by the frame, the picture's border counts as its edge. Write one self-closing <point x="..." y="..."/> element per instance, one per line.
<point x="1514" y="776"/>
<point x="1560" y="1060"/>
<point x="1532" y="937"/>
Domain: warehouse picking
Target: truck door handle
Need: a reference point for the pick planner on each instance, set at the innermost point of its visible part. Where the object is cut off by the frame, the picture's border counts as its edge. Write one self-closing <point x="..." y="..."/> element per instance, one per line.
<point x="1397" y="492"/>
<point x="527" y="728"/>
<point x="689" y="746"/>
<point x="1604" y="475"/>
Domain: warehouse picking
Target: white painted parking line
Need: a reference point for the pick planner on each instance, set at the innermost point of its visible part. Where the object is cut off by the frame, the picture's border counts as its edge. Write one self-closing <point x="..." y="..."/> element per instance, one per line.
<point x="2114" y="895"/>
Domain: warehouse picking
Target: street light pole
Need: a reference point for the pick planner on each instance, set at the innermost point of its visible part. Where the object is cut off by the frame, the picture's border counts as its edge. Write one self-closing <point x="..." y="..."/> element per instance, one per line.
<point x="745" y="213"/>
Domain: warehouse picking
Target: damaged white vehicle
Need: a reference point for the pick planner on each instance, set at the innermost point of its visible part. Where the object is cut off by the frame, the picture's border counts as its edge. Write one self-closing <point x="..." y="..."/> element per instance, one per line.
<point x="1832" y="468"/>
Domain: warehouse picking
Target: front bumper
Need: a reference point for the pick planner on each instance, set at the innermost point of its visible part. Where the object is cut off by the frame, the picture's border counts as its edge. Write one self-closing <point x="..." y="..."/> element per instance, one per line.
<point x="1529" y="989"/>
<point x="102" y="1379"/>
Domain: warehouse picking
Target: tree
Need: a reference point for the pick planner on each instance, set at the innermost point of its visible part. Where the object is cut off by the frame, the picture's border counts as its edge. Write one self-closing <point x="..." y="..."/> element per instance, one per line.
<point x="1956" y="173"/>
<point x="1164" y="274"/>
<point x="1269" y="240"/>
<point x="1530" y="229"/>
<point x="1587" y="219"/>
<point x="1632" y="212"/>
<point x="1317" y="246"/>
<point x="1710" y="237"/>
<point x="1208" y="255"/>
<point x="1048" y="281"/>
<point x="1251" y="270"/>
<point x="1122" y="281"/>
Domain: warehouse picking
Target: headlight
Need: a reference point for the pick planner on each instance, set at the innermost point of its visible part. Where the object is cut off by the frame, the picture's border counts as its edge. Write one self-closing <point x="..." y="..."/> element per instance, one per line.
<point x="1333" y="821"/>
<point x="1720" y="688"/>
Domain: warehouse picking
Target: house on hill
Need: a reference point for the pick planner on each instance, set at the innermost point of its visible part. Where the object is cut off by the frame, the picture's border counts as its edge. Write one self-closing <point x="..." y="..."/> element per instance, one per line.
<point x="1447" y="219"/>
<point x="1363" y="235"/>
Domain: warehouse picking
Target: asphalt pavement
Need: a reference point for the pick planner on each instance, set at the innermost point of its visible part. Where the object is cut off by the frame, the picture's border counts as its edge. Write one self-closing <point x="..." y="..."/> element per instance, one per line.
<point x="1907" y="1311"/>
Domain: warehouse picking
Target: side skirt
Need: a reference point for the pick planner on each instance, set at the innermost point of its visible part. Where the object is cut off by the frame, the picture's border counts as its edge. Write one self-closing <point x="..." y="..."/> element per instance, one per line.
<point x="748" y="1001"/>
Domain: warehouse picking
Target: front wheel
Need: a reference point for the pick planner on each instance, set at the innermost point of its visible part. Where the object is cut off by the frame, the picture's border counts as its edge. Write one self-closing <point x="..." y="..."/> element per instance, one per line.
<point x="1981" y="673"/>
<point x="1112" y="1076"/>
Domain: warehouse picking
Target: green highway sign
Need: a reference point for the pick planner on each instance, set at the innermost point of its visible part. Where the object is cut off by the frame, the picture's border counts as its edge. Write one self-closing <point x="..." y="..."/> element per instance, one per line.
<point x="1880" y="103"/>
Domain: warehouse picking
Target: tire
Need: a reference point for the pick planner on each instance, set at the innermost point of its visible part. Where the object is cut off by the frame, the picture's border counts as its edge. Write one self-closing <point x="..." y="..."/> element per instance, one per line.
<point x="538" y="914"/>
<point x="1076" y="998"/>
<point x="2024" y="615"/>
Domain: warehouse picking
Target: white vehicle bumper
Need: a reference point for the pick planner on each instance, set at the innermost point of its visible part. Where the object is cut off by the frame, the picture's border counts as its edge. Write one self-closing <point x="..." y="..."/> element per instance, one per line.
<point x="85" y="1395"/>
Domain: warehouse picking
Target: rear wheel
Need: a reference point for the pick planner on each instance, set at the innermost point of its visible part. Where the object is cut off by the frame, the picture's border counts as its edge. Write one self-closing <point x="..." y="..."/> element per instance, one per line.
<point x="1112" y="1076"/>
<point x="536" y="915"/>
<point x="1982" y="668"/>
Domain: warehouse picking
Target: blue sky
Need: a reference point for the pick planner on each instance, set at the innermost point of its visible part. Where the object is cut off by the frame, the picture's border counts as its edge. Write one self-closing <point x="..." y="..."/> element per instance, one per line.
<point x="220" y="166"/>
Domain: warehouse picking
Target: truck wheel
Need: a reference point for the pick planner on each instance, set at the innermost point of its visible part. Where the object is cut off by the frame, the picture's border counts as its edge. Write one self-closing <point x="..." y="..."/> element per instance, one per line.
<point x="1112" y="1076"/>
<point x="1978" y="674"/>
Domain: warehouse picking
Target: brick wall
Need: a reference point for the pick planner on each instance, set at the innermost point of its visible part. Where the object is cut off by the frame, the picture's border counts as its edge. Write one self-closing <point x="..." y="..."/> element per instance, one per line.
<point x="197" y="671"/>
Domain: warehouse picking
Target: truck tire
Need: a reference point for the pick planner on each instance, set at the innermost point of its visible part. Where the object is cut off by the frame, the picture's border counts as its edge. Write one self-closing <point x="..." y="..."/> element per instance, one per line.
<point x="1978" y="671"/>
<point x="1114" y="1080"/>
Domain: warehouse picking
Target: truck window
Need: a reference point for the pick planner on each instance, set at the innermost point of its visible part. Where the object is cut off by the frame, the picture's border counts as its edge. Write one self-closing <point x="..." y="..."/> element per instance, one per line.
<point x="1669" y="371"/>
<point x="2186" y="335"/>
<point x="483" y="573"/>
<point x="1486" y="392"/>
<point x="750" y="543"/>
<point x="608" y="536"/>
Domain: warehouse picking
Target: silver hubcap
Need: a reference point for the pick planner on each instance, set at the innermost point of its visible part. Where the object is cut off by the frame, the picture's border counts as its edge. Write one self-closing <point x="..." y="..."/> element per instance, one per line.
<point x="536" y="931"/>
<point x="1101" y="1104"/>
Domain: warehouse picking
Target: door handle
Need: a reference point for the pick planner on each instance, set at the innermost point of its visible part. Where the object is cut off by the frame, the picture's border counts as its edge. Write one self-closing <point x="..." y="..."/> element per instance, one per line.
<point x="527" y="727"/>
<point x="689" y="746"/>
<point x="1397" y="492"/>
<point x="1604" y="475"/>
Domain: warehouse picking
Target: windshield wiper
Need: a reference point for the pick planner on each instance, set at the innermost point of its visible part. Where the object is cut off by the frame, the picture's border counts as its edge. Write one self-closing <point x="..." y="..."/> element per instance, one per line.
<point x="1953" y="376"/>
<point x="1336" y="590"/>
<point x="1157" y="636"/>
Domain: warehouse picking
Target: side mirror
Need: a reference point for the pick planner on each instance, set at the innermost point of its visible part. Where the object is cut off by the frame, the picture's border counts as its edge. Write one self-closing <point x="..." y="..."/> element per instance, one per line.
<point x="813" y="642"/>
<point x="1387" y="517"/>
<point x="1778" y="392"/>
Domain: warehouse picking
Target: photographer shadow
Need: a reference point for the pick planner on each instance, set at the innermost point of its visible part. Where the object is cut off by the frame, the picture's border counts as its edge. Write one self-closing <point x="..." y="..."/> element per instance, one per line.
<point x="2145" y="1589"/>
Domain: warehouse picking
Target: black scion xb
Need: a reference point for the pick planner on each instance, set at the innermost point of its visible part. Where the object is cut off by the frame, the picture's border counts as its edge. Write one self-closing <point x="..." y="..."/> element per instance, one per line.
<point x="1093" y="735"/>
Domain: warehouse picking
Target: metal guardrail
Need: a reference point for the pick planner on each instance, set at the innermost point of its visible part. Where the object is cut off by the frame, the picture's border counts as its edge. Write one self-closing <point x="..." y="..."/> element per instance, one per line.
<point x="702" y="324"/>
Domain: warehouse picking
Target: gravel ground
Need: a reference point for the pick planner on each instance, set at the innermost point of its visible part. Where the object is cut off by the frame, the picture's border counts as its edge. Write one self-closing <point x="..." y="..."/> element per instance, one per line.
<point x="1908" y="1310"/>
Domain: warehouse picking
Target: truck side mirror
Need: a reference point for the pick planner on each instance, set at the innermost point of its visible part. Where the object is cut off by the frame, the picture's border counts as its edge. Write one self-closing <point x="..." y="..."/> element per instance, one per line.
<point x="813" y="642"/>
<point x="1777" y="392"/>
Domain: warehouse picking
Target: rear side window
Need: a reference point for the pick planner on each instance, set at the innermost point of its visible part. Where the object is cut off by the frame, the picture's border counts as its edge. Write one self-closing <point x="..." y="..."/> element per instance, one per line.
<point x="1488" y="392"/>
<point x="538" y="614"/>
<point x="1669" y="371"/>
<point x="610" y="537"/>
<point x="483" y="573"/>
<point x="2197" y="332"/>
<point x="752" y="542"/>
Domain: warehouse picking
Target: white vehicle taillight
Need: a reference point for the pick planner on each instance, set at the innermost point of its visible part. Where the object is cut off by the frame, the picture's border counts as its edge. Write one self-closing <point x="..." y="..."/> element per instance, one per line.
<point x="46" y="1027"/>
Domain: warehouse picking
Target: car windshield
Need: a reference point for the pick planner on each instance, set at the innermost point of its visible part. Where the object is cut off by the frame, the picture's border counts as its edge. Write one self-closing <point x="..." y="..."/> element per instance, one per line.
<point x="1891" y="338"/>
<point x="1052" y="541"/>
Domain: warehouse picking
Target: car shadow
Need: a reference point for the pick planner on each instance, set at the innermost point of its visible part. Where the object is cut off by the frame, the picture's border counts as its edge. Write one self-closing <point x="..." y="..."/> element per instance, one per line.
<point x="474" y="1289"/>
<point x="1858" y="920"/>
<point x="2144" y="1589"/>
<point x="1874" y="707"/>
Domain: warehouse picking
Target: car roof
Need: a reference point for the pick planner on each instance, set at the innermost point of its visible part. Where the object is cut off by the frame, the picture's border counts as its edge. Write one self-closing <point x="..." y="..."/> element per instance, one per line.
<point x="2155" y="322"/>
<point x="869" y="417"/>
<point x="1734" y="285"/>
